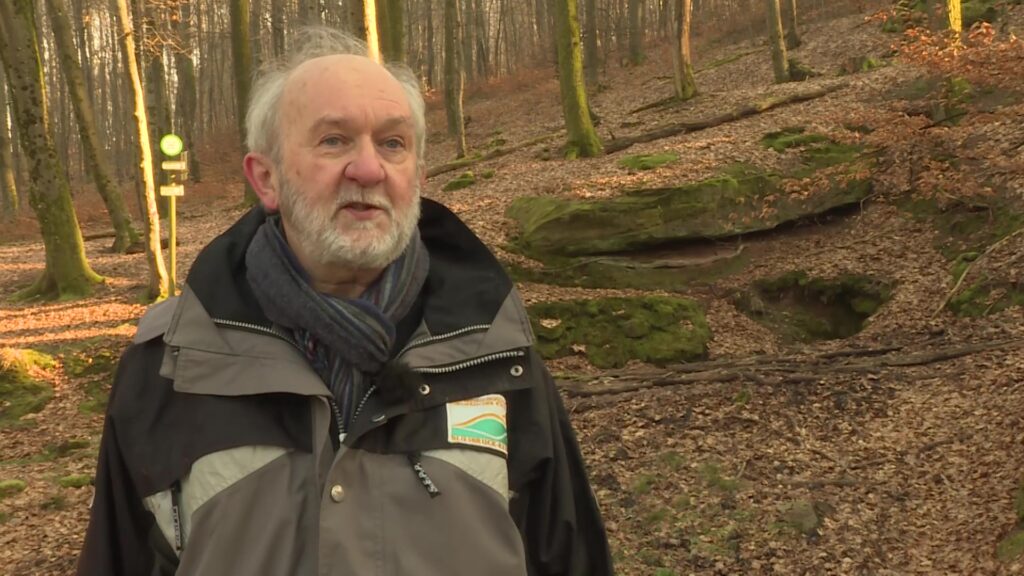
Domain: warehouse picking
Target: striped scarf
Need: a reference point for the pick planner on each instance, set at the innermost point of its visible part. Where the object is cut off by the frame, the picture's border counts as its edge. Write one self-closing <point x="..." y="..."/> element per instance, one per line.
<point x="345" y="339"/>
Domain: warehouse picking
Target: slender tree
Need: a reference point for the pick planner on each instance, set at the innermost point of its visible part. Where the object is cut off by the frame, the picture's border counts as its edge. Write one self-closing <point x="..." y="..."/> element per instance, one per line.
<point x="391" y="29"/>
<point x="187" y="99"/>
<point x="582" y="138"/>
<point x="370" y="27"/>
<point x="277" y="24"/>
<point x="591" y="59"/>
<point x="96" y="159"/>
<point x="683" y="78"/>
<point x="954" y="14"/>
<point x="67" y="273"/>
<point x="309" y="12"/>
<point x="780" y="61"/>
<point x="793" y="39"/>
<point x="636" y="33"/>
<point x="159" y="282"/>
<point x="8" y="184"/>
<point x="241" y="53"/>
<point x="454" y="78"/>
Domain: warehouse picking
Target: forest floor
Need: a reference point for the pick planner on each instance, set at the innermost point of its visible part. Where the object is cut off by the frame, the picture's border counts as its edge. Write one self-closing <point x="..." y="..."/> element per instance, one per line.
<point x="904" y="468"/>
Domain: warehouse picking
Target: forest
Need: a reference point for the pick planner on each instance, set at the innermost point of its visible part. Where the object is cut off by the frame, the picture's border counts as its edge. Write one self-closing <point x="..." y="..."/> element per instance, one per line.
<point x="772" y="250"/>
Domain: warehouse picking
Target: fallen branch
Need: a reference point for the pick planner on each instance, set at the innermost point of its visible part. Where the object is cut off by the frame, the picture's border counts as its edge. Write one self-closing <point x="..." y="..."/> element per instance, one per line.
<point x="776" y="369"/>
<point x="496" y="153"/>
<point x="619" y="144"/>
<point x="960" y="281"/>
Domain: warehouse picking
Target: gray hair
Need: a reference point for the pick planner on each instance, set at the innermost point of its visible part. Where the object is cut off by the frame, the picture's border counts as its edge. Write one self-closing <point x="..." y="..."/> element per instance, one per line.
<point x="262" y="118"/>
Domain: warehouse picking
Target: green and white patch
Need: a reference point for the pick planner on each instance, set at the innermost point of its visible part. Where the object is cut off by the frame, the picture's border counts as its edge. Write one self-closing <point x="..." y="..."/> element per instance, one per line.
<point x="479" y="422"/>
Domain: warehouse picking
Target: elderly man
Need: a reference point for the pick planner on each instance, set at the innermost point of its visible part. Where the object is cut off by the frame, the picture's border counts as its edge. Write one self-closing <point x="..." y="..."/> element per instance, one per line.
<point x="346" y="386"/>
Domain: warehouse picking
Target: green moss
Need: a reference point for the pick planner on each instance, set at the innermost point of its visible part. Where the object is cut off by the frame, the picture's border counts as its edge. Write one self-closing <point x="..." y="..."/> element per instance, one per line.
<point x="57" y="502"/>
<point x="671" y="460"/>
<point x="1018" y="503"/>
<point x="665" y="572"/>
<point x="90" y="360"/>
<point x="860" y="64"/>
<point x="802" y="516"/>
<point x="799" y="71"/>
<point x="682" y="502"/>
<point x="11" y="487"/>
<point x="4" y="517"/>
<point x="643" y="485"/>
<point x="987" y="296"/>
<point x="464" y="180"/>
<point x="75" y="481"/>
<point x="613" y="331"/>
<point x="487" y="174"/>
<point x="22" y="390"/>
<point x="1011" y="548"/>
<point x="802" y="309"/>
<point x="730" y="204"/>
<point x="791" y="137"/>
<point x="711" y="474"/>
<point x="656" y="516"/>
<point x="974" y="11"/>
<point x="97" y="392"/>
<point x="648" y="161"/>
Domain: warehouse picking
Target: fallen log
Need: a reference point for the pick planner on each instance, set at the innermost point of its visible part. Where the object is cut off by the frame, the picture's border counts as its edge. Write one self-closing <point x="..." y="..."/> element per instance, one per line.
<point x="741" y="112"/>
<point x="496" y="153"/>
<point x="777" y="369"/>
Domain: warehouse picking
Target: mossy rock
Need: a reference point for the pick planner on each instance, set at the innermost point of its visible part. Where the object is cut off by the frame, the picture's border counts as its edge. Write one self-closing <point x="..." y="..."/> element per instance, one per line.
<point x="987" y="296"/>
<point x="613" y="331"/>
<point x="791" y="137"/>
<point x="964" y="227"/>
<point x="804" y="309"/>
<point x="860" y="64"/>
<point x="11" y="487"/>
<point x="724" y="206"/>
<point x="75" y="481"/>
<point x="640" y="162"/>
<point x="1011" y="547"/>
<point x="464" y="180"/>
<point x="23" y="389"/>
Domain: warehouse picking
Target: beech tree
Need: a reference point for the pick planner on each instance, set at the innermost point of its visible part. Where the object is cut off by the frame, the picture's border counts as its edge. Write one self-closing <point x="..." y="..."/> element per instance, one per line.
<point x="793" y="39"/>
<point x="96" y="158"/>
<point x="454" y="75"/>
<point x="241" y="53"/>
<point x="780" y="61"/>
<point x="684" y="81"/>
<point x="582" y="138"/>
<point x="67" y="273"/>
<point x="8" y="186"/>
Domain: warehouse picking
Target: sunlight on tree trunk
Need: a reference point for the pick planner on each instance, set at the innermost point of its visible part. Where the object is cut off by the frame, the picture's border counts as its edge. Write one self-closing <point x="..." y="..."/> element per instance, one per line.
<point x="954" y="15"/>
<point x="454" y="76"/>
<point x="780" y="62"/>
<point x="583" y="140"/>
<point x="370" y="30"/>
<point x="159" y="282"/>
<point x="684" y="80"/>
<point x="8" y="185"/>
<point x="67" y="273"/>
<point x="793" y="39"/>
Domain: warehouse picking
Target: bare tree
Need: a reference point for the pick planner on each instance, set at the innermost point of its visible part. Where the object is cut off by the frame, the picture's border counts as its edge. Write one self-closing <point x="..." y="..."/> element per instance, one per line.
<point x="454" y="78"/>
<point x="8" y="185"/>
<point x="684" y="80"/>
<point x="780" y="61"/>
<point x="793" y="39"/>
<point x="241" y="53"/>
<point x="582" y="138"/>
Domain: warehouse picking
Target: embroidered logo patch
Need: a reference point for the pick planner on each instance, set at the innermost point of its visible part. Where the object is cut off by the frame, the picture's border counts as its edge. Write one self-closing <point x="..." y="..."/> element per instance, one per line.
<point x="479" y="422"/>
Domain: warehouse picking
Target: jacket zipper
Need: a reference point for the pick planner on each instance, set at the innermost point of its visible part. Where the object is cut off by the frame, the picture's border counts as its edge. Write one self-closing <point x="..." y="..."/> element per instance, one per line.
<point x="470" y="363"/>
<point x="429" y="339"/>
<point x="343" y="430"/>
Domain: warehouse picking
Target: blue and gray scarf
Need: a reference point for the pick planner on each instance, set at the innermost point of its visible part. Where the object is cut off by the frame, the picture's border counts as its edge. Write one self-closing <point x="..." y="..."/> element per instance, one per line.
<point x="346" y="340"/>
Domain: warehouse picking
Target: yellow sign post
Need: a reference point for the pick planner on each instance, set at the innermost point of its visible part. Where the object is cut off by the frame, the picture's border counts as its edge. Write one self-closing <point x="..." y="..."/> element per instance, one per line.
<point x="172" y="146"/>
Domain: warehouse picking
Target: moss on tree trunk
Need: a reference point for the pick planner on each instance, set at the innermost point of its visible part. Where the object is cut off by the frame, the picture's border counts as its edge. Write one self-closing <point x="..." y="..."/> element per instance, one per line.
<point x="583" y="140"/>
<point x="780" y="62"/>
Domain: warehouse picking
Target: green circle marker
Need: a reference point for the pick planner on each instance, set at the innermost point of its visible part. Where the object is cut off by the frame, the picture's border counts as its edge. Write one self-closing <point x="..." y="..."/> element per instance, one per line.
<point x="171" y="144"/>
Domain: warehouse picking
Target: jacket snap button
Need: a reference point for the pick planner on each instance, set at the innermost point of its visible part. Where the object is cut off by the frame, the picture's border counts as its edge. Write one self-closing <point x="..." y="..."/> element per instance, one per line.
<point x="516" y="370"/>
<point x="337" y="493"/>
<point x="424" y="389"/>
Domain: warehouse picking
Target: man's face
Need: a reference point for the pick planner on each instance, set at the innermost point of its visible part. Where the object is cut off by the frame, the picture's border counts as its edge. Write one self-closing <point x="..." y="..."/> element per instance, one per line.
<point x="347" y="183"/>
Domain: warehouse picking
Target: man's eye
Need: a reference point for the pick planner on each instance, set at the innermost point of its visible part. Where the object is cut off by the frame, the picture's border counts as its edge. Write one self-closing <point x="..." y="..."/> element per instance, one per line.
<point x="332" y="141"/>
<point x="394" y="144"/>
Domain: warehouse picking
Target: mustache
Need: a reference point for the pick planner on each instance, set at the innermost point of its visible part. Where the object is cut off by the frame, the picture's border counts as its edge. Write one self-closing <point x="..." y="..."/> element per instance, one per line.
<point x="350" y="196"/>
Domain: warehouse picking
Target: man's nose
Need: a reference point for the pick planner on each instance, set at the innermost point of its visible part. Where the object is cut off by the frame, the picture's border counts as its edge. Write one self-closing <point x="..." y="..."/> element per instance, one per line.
<point x="365" y="168"/>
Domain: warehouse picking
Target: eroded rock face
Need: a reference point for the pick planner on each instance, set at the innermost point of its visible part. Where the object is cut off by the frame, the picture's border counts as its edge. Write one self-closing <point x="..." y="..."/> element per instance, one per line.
<point x="612" y="331"/>
<point x="804" y="309"/>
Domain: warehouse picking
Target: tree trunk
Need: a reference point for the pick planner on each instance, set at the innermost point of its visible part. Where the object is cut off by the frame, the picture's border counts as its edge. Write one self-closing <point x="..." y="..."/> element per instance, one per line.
<point x="391" y="28"/>
<point x="96" y="158"/>
<point x="780" y="62"/>
<point x="467" y="36"/>
<point x="431" y="60"/>
<point x="684" y="81"/>
<point x="636" y="33"/>
<point x="454" y="79"/>
<point x="793" y="39"/>
<point x="483" y="60"/>
<point x="8" y="185"/>
<point x="582" y="138"/>
<point x="159" y="282"/>
<point x="241" y="55"/>
<point x="954" y="14"/>
<point x="591" y="59"/>
<point x="67" y="273"/>
<point x="370" y="30"/>
<point x="187" y="98"/>
<point x="309" y="12"/>
<point x="277" y="25"/>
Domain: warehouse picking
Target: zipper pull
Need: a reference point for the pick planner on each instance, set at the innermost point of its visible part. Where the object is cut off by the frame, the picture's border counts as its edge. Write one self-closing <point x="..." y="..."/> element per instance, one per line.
<point x="341" y="437"/>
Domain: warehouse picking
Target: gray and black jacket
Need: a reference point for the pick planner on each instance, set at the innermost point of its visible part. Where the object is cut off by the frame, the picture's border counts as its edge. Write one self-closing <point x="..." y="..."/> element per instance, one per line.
<point x="222" y="453"/>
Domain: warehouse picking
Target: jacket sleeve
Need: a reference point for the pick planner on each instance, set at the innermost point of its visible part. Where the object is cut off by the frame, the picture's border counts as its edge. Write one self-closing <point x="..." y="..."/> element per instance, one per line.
<point x="116" y="541"/>
<point x="554" y="505"/>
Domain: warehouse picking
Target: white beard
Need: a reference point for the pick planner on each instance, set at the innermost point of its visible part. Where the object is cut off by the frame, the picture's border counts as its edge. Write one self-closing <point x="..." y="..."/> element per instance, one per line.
<point x="361" y="246"/>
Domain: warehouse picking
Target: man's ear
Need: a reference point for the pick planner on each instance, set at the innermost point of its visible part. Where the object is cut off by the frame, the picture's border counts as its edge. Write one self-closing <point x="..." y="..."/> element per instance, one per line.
<point x="259" y="171"/>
